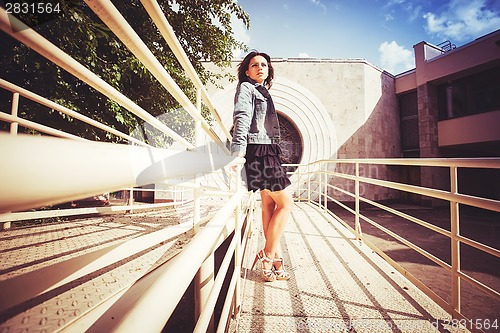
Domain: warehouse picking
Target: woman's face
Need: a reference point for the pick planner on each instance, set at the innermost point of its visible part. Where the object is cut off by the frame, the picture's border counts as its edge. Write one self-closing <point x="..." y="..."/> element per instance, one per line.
<point x="258" y="69"/>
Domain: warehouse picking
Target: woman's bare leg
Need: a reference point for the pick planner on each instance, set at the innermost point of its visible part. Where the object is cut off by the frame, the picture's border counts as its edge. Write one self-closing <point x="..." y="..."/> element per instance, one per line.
<point x="276" y="208"/>
<point x="268" y="207"/>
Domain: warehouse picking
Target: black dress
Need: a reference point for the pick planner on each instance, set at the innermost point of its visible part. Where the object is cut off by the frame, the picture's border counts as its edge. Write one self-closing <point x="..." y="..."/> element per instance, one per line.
<point x="263" y="168"/>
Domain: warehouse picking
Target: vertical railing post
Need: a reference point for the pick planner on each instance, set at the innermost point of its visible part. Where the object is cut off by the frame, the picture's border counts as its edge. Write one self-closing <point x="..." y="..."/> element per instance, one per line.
<point x="13" y="131"/>
<point x="198" y="142"/>
<point x="325" y="186"/>
<point x="130" y="201"/>
<point x="14" y="111"/>
<point x="356" y="203"/>
<point x="238" y="250"/>
<point x="455" y="243"/>
<point x="204" y="279"/>
<point x="299" y="181"/>
<point x="320" y="187"/>
<point x="309" y="182"/>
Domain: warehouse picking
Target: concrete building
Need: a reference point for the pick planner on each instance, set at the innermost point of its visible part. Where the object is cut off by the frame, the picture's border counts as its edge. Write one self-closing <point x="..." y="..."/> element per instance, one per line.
<point x="448" y="106"/>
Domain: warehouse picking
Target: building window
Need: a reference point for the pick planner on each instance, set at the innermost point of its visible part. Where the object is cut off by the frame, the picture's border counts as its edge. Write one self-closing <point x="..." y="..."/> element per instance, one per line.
<point x="470" y="95"/>
<point x="408" y="110"/>
<point x="290" y="143"/>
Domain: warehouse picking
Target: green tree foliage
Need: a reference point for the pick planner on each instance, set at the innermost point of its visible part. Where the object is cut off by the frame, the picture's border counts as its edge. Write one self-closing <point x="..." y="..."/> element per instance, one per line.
<point x="203" y="28"/>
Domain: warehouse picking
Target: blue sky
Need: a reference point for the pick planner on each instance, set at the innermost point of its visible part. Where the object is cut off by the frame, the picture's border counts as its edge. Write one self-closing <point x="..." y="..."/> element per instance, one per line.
<point x="381" y="31"/>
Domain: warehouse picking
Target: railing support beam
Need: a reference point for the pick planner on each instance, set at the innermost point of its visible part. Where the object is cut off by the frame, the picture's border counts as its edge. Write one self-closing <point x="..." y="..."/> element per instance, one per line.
<point x="455" y="243"/>
<point x="238" y="248"/>
<point x="325" y="189"/>
<point x="204" y="279"/>
<point x="66" y="169"/>
<point x="44" y="47"/>
<point x="356" y="196"/>
<point x="15" y="106"/>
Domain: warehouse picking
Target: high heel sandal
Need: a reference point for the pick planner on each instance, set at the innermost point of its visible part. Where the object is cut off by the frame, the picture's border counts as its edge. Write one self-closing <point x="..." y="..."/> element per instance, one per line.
<point x="267" y="274"/>
<point x="280" y="274"/>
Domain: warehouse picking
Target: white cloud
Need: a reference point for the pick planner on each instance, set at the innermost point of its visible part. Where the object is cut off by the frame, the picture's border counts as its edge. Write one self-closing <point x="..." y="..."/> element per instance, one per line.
<point x="394" y="2"/>
<point x="463" y="20"/>
<point x="320" y="4"/>
<point x="395" y="58"/>
<point x="414" y="12"/>
<point x="303" y="55"/>
<point x="398" y="7"/>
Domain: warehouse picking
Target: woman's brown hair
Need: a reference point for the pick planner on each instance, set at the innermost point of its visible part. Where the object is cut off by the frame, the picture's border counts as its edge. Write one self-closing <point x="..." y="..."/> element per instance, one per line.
<point x="243" y="67"/>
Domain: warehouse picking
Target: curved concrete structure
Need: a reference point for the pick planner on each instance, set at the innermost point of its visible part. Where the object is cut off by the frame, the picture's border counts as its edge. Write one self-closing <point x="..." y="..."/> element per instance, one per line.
<point x="340" y="109"/>
<point x="302" y="108"/>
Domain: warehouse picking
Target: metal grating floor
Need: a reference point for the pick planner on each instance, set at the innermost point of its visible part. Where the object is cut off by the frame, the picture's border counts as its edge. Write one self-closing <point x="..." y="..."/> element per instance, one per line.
<point x="337" y="285"/>
<point x="77" y="269"/>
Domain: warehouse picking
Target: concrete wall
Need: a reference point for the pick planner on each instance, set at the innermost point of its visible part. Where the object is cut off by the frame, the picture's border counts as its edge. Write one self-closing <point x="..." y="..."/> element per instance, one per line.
<point x="357" y="98"/>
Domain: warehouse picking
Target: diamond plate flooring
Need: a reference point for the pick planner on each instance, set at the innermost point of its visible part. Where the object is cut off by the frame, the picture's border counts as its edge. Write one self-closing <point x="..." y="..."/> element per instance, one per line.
<point x="54" y="277"/>
<point x="336" y="285"/>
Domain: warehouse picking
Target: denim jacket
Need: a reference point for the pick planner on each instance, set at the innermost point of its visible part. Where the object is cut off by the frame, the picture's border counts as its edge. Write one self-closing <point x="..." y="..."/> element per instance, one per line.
<point x="255" y="118"/>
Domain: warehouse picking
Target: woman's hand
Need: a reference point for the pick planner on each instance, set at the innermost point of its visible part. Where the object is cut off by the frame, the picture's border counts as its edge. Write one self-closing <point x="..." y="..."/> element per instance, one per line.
<point x="234" y="168"/>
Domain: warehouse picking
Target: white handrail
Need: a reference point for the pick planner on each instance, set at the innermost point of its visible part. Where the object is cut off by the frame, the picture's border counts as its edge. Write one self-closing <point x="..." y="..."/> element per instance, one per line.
<point x="178" y="272"/>
<point x="484" y="203"/>
<point x="68" y="174"/>
<point x="38" y="43"/>
<point x="117" y="23"/>
<point x="476" y="162"/>
<point x="48" y="103"/>
<point x="66" y="169"/>
<point x="452" y="196"/>
<point x="168" y="34"/>
<point x="38" y="127"/>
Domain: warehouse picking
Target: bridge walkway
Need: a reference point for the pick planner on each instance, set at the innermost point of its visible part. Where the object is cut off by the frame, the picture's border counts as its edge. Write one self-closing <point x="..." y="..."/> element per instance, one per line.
<point x="337" y="285"/>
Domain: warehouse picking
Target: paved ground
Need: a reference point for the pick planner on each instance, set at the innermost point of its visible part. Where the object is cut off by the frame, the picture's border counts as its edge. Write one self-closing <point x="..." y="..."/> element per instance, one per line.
<point x="479" y="225"/>
<point x="77" y="267"/>
<point x="337" y="285"/>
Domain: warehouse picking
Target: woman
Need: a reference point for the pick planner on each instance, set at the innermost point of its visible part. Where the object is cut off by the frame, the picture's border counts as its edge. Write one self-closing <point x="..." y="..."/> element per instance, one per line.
<point x="255" y="136"/>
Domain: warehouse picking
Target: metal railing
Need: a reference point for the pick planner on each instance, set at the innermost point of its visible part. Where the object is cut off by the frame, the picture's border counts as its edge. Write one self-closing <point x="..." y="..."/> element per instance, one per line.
<point x="141" y="164"/>
<point x="446" y="46"/>
<point x="318" y="188"/>
<point x="67" y="174"/>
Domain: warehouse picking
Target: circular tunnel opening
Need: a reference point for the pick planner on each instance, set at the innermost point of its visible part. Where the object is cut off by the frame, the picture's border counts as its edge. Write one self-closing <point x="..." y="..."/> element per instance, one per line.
<point x="291" y="143"/>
